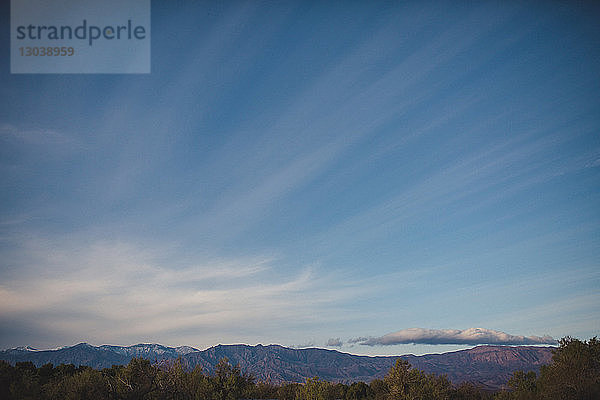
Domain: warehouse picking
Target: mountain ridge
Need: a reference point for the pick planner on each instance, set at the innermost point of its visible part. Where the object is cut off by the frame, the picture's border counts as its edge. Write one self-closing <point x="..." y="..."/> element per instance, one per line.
<point x="487" y="366"/>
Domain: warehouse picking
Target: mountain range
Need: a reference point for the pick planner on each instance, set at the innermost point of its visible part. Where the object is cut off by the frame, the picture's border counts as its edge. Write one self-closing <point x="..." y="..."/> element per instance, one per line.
<point x="487" y="366"/>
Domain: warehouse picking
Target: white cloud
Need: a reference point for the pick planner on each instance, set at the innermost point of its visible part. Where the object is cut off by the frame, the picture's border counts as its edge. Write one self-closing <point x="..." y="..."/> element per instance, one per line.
<point x="471" y="336"/>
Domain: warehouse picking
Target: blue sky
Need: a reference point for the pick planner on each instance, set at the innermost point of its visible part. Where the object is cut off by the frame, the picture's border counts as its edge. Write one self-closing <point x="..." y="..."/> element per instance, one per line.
<point x="305" y="173"/>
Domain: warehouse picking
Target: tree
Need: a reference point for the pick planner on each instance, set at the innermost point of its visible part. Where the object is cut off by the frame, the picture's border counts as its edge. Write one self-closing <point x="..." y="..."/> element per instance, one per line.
<point x="174" y="383"/>
<point x="468" y="391"/>
<point x="46" y="373"/>
<point x="85" y="384"/>
<point x="7" y="376"/>
<point x="228" y="382"/>
<point x="358" y="391"/>
<point x="315" y="389"/>
<point x="399" y="380"/>
<point x="200" y="384"/>
<point x="262" y="390"/>
<point x="137" y="380"/>
<point x="574" y="372"/>
<point x="337" y="390"/>
<point x="287" y="391"/>
<point x="404" y="383"/>
<point x="523" y="385"/>
<point x="26" y="383"/>
<point x="379" y="389"/>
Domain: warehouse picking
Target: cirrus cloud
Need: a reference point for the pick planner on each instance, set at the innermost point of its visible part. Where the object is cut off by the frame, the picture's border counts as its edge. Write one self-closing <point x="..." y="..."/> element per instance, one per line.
<point x="470" y="336"/>
<point x="67" y="290"/>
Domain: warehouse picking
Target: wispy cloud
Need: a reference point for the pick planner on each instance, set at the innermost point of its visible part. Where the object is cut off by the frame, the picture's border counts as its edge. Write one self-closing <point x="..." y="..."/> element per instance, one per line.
<point x="86" y="288"/>
<point x="471" y="336"/>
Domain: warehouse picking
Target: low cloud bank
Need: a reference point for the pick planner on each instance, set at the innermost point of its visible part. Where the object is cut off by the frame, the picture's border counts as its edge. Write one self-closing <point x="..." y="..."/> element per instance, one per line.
<point x="471" y="336"/>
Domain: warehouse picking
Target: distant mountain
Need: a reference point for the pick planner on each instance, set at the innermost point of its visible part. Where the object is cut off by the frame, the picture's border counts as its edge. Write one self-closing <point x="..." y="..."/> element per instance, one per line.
<point x="80" y="354"/>
<point x="281" y="364"/>
<point x="95" y="356"/>
<point x="488" y="366"/>
<point x="150" y="351"/>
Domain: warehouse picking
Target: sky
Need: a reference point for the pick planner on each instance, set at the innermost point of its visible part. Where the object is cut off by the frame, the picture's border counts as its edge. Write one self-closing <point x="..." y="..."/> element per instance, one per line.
<point x="378" y="178"/>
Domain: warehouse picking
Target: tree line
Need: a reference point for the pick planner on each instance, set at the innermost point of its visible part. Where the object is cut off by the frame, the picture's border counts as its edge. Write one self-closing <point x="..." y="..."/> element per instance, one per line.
<point x="573" y="374"/>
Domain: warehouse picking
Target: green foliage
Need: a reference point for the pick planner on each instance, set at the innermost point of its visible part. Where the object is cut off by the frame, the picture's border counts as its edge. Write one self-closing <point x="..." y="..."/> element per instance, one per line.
<point x="288" y="391"/>
<point x="468" y="391"/>
<point x="523" y="385"/>
<point x="316" y="389"/>
<point x="358" y="391"/>
<point x="313" y="389"/>
<point x="229" y="383"/>
<point x="379" y="389"/>
<point x="574" y="372"/>
<point x="263" y="390"/>
<point x="26" y="386"/>
<point x="85" y="384"/>
<point x="137" y="380"/>
<point x="174" y="383"/>
<point x="399" y="380"/>
<point x="7" y="376"/>
<point x="200" y="385"/>
<point x="404" y="383"/>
